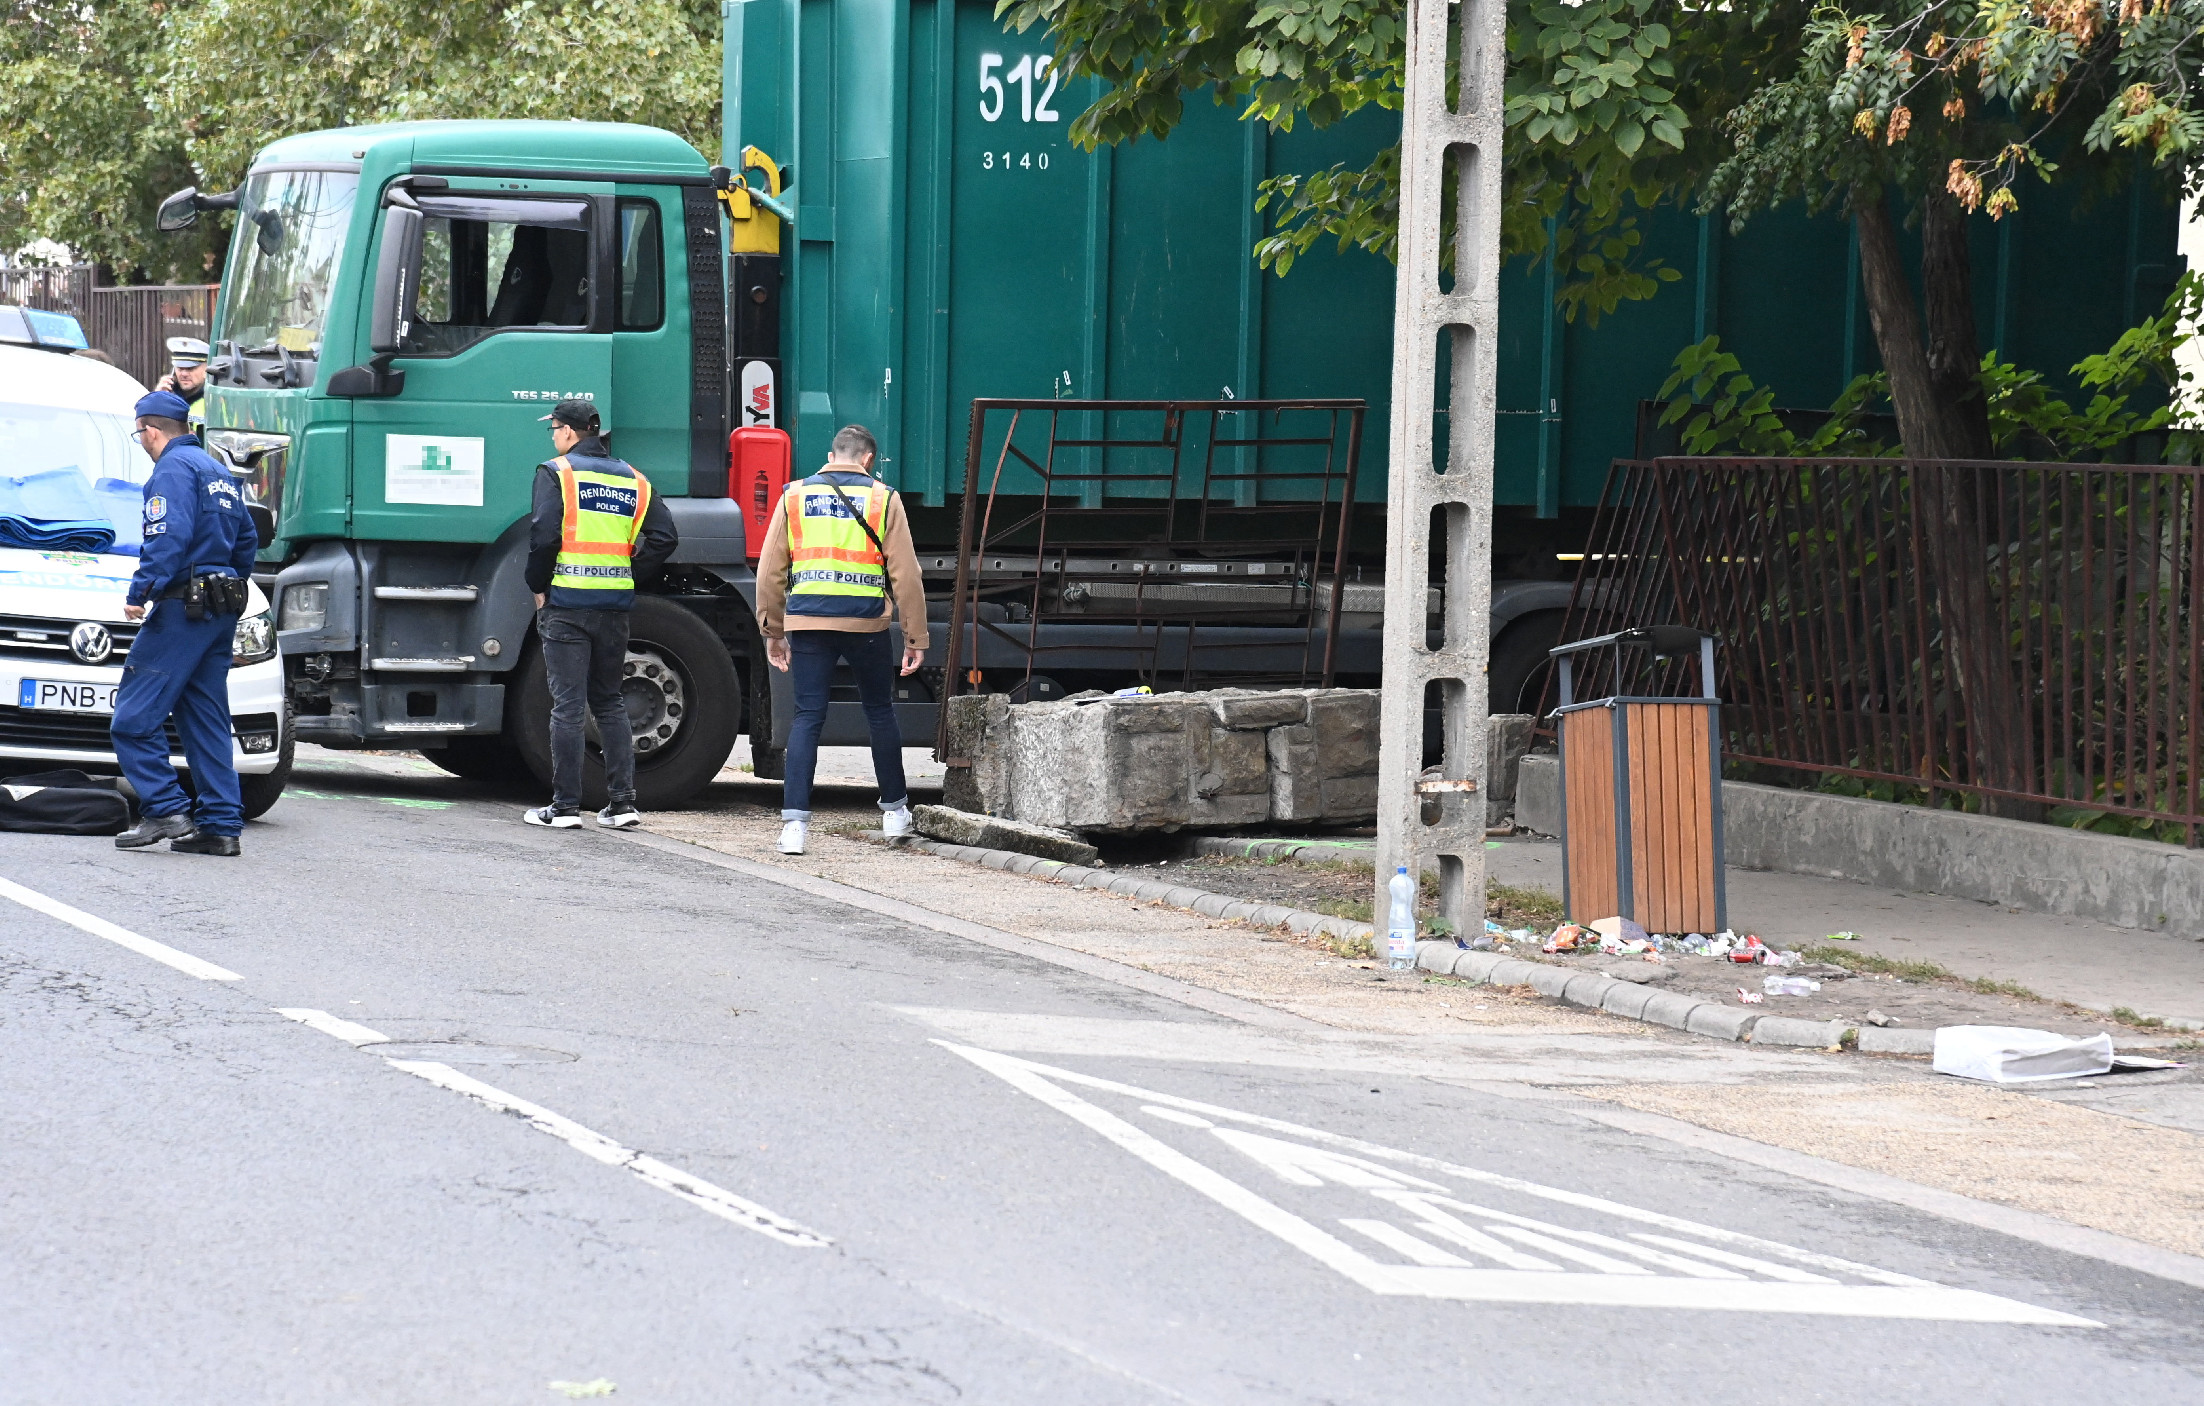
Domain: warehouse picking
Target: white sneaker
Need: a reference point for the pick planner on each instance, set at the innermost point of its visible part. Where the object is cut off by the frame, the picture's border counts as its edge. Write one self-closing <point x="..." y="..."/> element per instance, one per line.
<point x="792" y="837"/>
<point x="619" y="817"/>
<point x="897" y="822"/>
<point x="556" y="819"/>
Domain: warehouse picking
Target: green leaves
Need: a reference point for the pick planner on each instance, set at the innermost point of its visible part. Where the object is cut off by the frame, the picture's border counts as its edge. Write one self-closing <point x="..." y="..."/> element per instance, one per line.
<point x="106" y="106"/>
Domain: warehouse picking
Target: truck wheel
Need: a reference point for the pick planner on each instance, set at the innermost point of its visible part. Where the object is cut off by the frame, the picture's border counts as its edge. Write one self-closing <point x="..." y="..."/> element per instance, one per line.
<point x="1517" y="670"/>
<point x="261" y="792"/>
<point x="684" y="704"/>
<point x="489" y="759"/>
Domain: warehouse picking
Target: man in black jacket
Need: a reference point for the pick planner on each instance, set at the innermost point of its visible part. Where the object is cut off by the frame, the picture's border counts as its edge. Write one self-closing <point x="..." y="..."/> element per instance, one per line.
<point x="595" y="531"/>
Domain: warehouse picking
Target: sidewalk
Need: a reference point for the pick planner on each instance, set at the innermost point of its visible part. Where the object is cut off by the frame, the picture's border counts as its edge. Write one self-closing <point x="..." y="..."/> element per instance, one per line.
<point x="2064" y="959"/>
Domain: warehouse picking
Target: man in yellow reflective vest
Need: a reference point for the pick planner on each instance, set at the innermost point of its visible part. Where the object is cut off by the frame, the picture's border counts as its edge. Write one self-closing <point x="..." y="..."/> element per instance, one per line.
<point x="595" y="530"/>
<point x="837" y="554"/>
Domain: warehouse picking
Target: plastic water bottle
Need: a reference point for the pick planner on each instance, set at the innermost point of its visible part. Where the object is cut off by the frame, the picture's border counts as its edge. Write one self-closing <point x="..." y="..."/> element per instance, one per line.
<point x="1400" y="925"/>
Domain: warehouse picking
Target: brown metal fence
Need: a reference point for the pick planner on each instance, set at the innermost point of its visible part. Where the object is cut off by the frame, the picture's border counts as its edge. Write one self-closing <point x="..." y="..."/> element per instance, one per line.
<point x="2019" y="632"/>
<point x="131" y="325"/>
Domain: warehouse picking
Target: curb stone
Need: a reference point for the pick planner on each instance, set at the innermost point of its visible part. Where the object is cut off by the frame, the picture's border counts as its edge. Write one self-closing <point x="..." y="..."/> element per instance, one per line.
<point x="1588" y="990"/>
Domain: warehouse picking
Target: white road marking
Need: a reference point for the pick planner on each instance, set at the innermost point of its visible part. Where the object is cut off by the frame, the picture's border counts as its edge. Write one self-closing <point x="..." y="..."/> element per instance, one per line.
<point x="693" y="1189"/>
<point x="100" y="927"/>
<point x="1400" y="1242"/>
<point x="1760" y="1267"/>
<point x="1312" y="1172"/>
<point x="328" y="1024"/>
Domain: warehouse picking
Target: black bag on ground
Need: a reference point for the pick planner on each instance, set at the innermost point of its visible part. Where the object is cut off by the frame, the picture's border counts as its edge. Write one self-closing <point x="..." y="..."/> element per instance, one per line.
<point x="62" y="803"/>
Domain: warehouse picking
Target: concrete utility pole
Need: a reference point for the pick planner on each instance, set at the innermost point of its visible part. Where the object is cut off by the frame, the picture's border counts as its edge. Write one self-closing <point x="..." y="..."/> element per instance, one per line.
<point x="1450" y="511"/>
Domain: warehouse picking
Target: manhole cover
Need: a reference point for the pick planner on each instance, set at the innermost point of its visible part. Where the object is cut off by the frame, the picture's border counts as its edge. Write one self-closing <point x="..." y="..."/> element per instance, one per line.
<point x="463" y="1052"/>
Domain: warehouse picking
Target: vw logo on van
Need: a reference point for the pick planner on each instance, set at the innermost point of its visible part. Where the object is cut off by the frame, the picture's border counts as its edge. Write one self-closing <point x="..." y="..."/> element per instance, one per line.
<point x="91" y="643"/>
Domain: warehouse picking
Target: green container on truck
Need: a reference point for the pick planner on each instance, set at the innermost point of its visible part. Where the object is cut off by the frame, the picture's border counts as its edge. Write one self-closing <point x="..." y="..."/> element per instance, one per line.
<point x="911" y="230"/>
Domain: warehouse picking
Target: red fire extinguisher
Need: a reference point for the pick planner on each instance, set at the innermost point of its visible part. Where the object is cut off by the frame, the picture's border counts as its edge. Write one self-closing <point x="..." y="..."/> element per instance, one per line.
<point x="757" y="472"/>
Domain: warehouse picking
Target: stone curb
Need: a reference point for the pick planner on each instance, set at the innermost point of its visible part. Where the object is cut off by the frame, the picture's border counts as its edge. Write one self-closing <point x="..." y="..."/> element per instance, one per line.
<point x="1626" y="999"/>
<point x="1213" y="905"/>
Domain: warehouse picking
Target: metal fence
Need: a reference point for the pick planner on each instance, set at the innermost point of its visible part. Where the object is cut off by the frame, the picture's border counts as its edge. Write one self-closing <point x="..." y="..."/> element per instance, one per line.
<point x="131" y="325"/>
<point x="1216" y="530"/>
<point x="2024" y="633"/>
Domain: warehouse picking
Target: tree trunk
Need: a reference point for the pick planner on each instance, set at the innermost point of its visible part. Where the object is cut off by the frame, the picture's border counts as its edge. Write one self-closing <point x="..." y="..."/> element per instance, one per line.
<point x="1936" y="390"/>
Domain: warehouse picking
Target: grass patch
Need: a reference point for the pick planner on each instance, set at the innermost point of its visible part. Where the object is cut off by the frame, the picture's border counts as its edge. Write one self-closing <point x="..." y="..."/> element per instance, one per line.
<point x="2135" y="1017"/>
<point x="1512" y="907"/>
<point x="1870" y="962"/>
<point x="1984" y="986"/>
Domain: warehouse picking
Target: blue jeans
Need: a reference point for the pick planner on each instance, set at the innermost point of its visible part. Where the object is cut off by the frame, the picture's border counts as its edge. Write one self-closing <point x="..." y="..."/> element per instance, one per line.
<point x="182" y="667"/>
<point x="811" y="669"/>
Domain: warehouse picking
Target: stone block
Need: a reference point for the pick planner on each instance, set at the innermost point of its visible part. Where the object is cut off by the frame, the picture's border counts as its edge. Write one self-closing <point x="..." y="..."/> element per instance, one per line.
<point x="1721" y="1022"/>
<point x="1296" y="786"/>
<point x="1512" y="971"/>
<point x="978" y="733"/>
<point x="1478" y="966"/>
<point x="1670" y="1008"/>
<point x="1438" y="958"/>
<point x="1587" y="989"/>
<point x="1248" y="709"/>
<point x="1806" y="1034"/>
<point x="1550" y="981"/>
<point x="961" y="827"/>
<point x="1507" y="738"/>
<point x="1623" y="999"/>
<point x="1897" y="1041"/>
<point x="1344" y="725"/>
<point x="1115" y="764"/>
<point x="1231" y="783"/>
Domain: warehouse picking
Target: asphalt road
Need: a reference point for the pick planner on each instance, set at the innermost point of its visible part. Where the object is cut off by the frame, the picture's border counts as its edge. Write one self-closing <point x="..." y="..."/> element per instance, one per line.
<point x="636" y="1119"/>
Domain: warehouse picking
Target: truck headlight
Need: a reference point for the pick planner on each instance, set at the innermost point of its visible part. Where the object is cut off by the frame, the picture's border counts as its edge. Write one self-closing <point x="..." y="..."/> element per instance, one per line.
<point x="306" y="605"/>
<point x="255" y="639"/>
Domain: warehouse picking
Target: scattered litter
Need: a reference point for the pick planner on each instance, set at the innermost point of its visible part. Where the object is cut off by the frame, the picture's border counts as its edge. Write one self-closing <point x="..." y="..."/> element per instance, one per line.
<point x="2005" y="1054"/>
<point x="1750" y="998"/>
<point x="1618" y="930"/>
<point x="2141" y="1064"/>
<point x="1140" y="691"/>
<point x="1843" y="937"/>
<point x="1770" y="957"/>
<point x="575" y="1391"/>
<point x="1878" y="1018"/>
<point x="1749" y="950"/>
<point x="1789" y="985"/>
<point x="1566" y="937"/>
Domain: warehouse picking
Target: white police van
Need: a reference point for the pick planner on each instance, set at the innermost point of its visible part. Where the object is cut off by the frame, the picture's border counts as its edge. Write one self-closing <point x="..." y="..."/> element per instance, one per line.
<point x="63" y="638"/>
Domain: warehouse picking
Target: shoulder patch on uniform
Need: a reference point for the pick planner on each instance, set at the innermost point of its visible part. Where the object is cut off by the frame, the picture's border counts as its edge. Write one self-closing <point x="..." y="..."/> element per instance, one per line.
<point x="156" y="508"/>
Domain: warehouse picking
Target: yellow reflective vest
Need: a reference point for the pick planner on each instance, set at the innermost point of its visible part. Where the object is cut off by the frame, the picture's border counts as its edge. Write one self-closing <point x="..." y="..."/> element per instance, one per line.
<point x="834" y="568"/>
<point x="602" y="517"/>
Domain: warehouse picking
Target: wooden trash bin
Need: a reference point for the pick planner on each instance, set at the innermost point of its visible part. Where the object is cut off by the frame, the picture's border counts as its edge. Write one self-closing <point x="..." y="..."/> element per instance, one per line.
<point x="1641" y="791"/>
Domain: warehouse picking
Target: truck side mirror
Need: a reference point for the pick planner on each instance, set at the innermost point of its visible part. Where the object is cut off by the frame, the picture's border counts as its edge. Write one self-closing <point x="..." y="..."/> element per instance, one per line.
<point x="397" y="272"/>
<point x="180" y="211"/>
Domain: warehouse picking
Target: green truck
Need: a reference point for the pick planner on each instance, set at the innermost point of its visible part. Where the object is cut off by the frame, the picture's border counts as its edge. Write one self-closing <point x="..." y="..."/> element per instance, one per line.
<point x="906" y="228"/>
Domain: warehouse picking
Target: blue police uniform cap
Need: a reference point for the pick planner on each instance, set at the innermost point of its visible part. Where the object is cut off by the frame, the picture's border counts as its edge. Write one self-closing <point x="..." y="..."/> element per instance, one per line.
<point x="166" y="404"/>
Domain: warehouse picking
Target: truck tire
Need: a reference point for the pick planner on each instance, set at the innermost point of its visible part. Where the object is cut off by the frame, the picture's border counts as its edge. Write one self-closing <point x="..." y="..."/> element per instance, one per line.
<point x="494" y="760"/>
<point x="260" y="793"/>
<point x="684" y="705"/>
<point x="1517" y="670"/>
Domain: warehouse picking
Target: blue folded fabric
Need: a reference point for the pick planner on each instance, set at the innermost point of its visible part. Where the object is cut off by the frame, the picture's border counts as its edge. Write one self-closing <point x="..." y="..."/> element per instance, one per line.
<point x="53" y="510"/>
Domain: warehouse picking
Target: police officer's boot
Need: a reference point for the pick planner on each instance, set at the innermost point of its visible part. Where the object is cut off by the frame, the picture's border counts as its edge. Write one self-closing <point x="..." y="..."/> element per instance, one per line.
<point x="200" y="842"/>
<point x="152" y="829"/>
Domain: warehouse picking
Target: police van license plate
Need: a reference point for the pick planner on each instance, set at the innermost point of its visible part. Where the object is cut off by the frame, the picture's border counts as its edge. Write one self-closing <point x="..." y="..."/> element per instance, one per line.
<point x="55" y="696"/>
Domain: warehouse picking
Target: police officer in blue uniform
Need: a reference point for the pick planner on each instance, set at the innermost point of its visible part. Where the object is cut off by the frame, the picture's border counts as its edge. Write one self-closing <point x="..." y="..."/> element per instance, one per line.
<point x="189" y="590"/>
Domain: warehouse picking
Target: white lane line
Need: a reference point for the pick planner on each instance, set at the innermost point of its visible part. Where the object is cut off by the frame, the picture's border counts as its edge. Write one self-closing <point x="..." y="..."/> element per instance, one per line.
<point x="100" y="927"/>
<point x="693" y="1189"/>
<point x="328" y="1024"/>
<point x="1760" y="1267"/>
<point x="1393" y="1238"/>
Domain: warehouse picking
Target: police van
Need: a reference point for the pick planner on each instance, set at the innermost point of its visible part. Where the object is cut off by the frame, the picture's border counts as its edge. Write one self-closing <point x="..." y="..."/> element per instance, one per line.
<point x="70" y="466"/>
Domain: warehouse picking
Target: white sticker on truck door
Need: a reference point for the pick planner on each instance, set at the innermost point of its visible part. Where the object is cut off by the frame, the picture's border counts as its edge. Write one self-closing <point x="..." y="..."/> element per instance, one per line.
<point x="441" y="469"/>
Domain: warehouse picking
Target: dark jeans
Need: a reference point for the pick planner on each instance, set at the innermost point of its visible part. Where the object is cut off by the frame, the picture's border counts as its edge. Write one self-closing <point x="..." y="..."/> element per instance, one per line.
<point x="585" y="653"/>
<point x="811" y="669"/>
<point x="180" y="667"/>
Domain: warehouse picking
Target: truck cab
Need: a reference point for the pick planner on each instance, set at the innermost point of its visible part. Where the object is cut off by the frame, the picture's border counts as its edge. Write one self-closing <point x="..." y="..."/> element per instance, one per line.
<point x="401" y="306"/>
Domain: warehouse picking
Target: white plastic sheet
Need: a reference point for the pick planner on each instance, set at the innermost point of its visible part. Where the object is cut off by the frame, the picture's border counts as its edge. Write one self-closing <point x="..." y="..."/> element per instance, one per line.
<point x="2009" y="1054"/>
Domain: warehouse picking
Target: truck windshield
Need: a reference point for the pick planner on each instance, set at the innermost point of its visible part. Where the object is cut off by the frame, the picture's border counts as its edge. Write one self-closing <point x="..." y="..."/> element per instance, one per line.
<point x="73" y="465"/>
<point x="283" y="260"/>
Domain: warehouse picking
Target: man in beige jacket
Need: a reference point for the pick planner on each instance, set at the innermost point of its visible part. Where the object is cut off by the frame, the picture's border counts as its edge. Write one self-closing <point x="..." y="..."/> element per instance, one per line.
<point x="837" y="561"/>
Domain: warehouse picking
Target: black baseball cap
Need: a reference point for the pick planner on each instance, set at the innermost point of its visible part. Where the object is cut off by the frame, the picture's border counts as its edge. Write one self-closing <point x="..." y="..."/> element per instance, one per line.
<point x="577" y="415"/>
